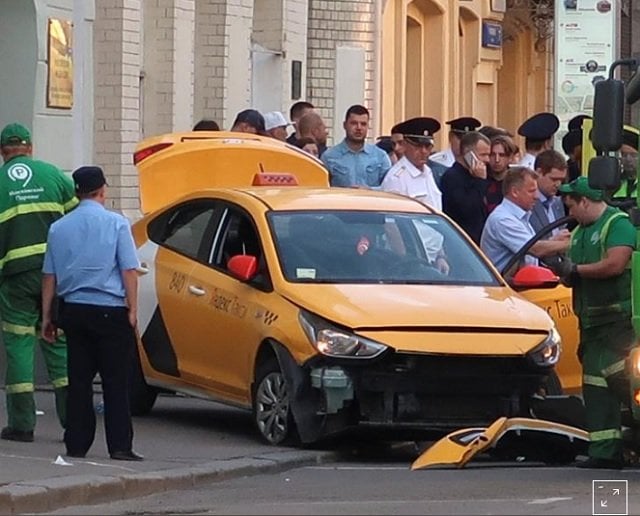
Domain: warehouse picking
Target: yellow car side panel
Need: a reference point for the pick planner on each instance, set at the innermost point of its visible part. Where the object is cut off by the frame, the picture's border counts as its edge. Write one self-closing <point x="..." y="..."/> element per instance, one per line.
<point x="172" y="271"/>
<point x="557" y="303"/>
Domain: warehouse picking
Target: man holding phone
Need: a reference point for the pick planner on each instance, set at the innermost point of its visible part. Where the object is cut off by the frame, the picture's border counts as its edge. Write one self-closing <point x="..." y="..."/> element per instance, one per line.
<point x="464" y="185"/>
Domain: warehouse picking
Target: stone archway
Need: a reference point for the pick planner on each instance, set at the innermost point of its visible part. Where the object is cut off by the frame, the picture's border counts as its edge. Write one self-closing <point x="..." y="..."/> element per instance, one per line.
<point x="414" y="72"/>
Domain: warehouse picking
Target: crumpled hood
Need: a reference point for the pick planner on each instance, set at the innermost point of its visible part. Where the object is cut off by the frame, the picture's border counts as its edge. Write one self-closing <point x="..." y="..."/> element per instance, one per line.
<point x="385" y="306"/>
<point x="452" y="320"/>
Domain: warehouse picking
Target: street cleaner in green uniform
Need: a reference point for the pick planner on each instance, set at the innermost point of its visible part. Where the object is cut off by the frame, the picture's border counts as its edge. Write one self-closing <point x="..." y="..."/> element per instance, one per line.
<point x="33" y="195"/>
<point x="598" y="269"/>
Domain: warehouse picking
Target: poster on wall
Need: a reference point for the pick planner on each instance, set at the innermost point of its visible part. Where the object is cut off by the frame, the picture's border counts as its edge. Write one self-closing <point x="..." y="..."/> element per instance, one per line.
<point x="60" y="64"/>
<point x="585" y="47"/>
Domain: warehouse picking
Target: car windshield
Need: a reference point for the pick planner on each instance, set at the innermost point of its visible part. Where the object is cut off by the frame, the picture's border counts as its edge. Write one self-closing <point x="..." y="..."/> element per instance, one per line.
<point x="375" y="247"/>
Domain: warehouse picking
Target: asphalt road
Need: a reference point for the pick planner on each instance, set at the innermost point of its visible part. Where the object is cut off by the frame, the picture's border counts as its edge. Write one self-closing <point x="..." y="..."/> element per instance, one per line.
<point x="387" y="486"/>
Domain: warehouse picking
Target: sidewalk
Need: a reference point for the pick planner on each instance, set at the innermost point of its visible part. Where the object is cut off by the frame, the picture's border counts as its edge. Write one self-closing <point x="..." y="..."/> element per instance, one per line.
<point x="185" y="442"/>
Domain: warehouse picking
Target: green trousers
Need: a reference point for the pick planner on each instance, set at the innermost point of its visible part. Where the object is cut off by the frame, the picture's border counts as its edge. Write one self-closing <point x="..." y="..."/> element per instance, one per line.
<point x="20" y="308"/>
<point x="605" y="385"/>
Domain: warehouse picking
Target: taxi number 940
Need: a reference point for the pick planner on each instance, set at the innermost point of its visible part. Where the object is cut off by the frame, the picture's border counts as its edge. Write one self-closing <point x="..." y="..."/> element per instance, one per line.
<point x="177" y="282"/>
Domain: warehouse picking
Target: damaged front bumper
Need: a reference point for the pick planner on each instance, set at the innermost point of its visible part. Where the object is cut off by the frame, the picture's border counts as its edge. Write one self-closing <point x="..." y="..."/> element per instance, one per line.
<point x="410" y="395"/>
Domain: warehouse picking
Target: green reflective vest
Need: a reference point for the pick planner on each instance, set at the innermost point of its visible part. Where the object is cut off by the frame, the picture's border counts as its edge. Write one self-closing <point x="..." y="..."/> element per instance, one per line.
<point x="602" y="301"/>
<point x="33" y="195"/>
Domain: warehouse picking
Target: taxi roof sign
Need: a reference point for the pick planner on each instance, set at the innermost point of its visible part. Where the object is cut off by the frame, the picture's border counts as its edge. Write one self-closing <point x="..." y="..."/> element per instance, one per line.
<point x="274" y="179"/>
<point x="175" y="164"/>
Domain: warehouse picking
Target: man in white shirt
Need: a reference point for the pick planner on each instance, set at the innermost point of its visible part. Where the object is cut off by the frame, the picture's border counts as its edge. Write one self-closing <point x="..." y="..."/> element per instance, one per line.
<point x="411" y="176"/>
<point x="508" y="229"/>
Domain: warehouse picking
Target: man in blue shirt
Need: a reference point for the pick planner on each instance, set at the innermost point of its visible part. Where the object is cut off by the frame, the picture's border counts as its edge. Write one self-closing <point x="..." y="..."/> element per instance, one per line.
<point x="508" y="229"/>
<point x="91" y="264"/>
<point x="353" y="162"/>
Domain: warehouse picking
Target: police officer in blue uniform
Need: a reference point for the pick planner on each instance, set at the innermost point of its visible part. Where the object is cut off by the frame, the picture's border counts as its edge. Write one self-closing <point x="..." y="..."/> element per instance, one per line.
<point x="90" y="263"/>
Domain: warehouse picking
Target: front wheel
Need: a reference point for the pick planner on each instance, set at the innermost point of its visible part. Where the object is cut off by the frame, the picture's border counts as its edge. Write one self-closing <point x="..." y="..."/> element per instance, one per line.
<point x="271" y="406"/>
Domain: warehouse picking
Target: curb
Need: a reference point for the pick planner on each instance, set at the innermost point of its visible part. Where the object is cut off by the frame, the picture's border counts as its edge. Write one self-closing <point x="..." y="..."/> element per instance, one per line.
<point x="56" y="493"/>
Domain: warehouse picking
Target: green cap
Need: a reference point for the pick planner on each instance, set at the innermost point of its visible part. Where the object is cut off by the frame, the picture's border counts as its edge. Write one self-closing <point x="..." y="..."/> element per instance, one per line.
<point x="15" y="134"/>
<point x="580" y="186"/>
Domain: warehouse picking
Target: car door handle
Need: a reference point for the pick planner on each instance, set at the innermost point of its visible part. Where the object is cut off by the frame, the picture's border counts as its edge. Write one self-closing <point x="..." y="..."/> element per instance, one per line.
<point x="196" y="291"/>
<point x="143" y="269"/>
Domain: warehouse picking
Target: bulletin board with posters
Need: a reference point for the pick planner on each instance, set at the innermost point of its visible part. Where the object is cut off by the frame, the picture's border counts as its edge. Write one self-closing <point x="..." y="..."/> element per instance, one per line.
<point x="60" y="64"/>
<point x="585" y="48"/>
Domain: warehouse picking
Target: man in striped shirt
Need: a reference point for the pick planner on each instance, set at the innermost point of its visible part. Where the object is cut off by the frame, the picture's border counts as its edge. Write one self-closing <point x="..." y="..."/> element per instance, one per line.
<point x="33" y="195"/>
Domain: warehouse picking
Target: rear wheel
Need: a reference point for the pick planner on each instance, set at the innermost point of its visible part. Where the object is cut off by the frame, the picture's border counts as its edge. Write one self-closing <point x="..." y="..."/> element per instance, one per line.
<point x="271" y="407"/>
<point x="142" y="396"/>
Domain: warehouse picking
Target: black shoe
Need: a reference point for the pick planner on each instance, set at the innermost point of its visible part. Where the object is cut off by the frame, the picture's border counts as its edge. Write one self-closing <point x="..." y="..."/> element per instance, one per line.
<point x="76" y="455"/>
<point x="597" y="463"/>
<point x="10" y="434"/>
<point x="126" y="455"/>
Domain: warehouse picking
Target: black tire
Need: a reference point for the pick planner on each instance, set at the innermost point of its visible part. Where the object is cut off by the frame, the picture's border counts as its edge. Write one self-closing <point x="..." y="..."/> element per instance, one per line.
<point x="553" y="386"/>
<point x="142" y="396"/>
<point x="271" y="410"/>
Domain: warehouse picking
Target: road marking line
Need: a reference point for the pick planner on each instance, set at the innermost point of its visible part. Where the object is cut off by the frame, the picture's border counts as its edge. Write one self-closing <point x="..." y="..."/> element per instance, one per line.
<point x="544" y="501"/>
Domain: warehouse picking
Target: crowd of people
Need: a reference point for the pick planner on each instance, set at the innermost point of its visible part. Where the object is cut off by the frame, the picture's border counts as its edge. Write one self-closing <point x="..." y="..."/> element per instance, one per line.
<point x="480" y="180"/>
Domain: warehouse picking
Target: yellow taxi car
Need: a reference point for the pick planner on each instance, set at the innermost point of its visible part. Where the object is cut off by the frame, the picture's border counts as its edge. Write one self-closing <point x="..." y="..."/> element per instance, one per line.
<point x="322" y="309"/>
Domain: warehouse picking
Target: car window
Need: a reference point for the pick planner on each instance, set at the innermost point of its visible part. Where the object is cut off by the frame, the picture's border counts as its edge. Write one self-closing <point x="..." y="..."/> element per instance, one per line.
<point x="183" y="228"/>
<point x="375" y="247"/>
<point x="238" y="236"/>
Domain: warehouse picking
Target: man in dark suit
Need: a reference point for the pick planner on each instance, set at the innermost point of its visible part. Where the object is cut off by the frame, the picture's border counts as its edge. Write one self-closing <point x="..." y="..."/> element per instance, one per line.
<point x="464" y="185"/>
<point x="551" y="168"/>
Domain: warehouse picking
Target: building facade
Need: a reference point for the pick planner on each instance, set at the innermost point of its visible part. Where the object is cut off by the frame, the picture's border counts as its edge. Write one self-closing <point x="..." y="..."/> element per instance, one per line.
<point x="142" y="68"/>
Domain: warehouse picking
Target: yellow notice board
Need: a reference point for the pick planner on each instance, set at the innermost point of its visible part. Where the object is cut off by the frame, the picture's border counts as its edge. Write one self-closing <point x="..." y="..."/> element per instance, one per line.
<point x="60" y="64"/>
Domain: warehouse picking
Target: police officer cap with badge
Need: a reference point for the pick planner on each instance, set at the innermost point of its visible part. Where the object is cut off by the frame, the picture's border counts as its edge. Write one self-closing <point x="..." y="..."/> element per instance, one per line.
<point x="463" y="125"/>
<point x="417" y="131"/>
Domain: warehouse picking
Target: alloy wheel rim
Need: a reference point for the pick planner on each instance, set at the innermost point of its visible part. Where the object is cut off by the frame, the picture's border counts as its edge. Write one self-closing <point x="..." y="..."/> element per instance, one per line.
<point x="272" y="408"/>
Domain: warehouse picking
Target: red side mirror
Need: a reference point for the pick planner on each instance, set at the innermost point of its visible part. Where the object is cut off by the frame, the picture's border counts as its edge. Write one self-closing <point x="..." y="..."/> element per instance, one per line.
<point x="243" y="266"/>
<point x="533" y="276"/>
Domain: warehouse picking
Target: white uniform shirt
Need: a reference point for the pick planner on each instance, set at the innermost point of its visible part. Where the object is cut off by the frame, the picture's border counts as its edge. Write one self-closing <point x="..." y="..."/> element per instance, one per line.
<point x="528" y="160"/>
<point x="444" y="157"/>
<point x="404" y="178"/>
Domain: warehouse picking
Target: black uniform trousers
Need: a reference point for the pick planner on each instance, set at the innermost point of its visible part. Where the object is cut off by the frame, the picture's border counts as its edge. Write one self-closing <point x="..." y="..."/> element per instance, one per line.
<point x="99" y="340"/>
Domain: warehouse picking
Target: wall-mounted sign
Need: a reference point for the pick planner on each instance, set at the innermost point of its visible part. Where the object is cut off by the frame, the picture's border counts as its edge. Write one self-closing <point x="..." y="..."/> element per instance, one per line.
<point x="491" y="34"/>
<point x="585" y="42"/>
<point x="499" y="6"/>
<point x="60" y="64"/>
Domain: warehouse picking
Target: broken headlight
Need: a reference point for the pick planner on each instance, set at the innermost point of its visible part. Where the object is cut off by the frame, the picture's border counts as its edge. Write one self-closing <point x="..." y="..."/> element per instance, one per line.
<point x="547" y="353"/>
<point x="332" y="341"/>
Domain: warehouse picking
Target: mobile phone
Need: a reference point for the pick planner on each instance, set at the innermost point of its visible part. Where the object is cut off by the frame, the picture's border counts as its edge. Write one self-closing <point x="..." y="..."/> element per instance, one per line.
<point x="470" y="159"/>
